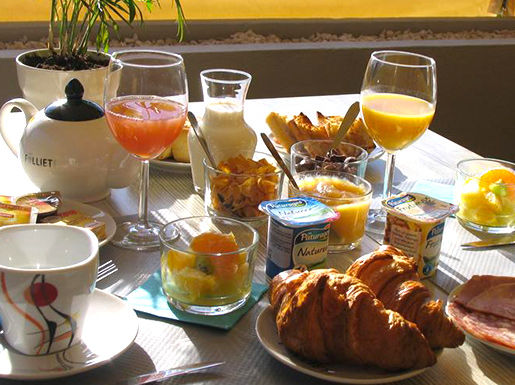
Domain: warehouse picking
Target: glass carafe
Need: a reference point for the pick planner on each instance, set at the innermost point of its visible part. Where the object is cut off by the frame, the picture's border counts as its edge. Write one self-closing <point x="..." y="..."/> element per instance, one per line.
<point x="223" y="124"/>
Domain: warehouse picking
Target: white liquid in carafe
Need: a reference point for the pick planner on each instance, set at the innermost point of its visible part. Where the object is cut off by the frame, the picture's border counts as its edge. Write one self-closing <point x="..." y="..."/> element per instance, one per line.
<point x="227" y="135"/>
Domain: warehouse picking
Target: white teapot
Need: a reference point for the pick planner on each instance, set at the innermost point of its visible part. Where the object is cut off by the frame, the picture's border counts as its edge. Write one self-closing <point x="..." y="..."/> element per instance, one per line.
<point x="68" y="147"/>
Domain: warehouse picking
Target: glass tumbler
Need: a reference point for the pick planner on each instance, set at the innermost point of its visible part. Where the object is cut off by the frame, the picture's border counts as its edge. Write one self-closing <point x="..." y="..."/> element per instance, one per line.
<point x="318" y="154"/>
<point x="207" y="263"/>
<point x="347" y="194"/>
<point x="485" y="192"/>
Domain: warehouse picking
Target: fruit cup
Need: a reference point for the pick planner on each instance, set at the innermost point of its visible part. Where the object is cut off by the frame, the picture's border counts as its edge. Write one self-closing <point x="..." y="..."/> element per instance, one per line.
<point x="485" y="192"/>
<point x="207" y="263"/>
<point x="347" y="194"/>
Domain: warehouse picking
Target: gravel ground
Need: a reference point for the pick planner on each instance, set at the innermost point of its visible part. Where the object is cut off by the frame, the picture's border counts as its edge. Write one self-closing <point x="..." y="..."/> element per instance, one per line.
<point x="250" y="37"/>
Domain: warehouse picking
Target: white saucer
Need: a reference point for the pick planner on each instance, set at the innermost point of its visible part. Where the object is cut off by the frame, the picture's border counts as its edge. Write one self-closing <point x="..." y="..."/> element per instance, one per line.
<point x="171" y="166"/>
<point x="344" y="374"/>
<point x="94" y="213"/>
<point x="493" y="345"/>
<point x="111" y="327"/>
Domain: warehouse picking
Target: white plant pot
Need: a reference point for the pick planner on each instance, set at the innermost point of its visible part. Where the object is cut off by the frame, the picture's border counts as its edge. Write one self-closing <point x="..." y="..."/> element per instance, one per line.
<point x="42" y="86"/>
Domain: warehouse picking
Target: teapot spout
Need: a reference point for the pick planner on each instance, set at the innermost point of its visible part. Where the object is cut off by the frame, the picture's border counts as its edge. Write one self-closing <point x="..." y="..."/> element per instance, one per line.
<point x="11" y="134"/>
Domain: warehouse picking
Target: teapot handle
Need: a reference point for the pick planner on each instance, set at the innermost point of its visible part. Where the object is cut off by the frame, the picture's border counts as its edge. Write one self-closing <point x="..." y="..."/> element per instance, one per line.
<point x="6" y="127"/>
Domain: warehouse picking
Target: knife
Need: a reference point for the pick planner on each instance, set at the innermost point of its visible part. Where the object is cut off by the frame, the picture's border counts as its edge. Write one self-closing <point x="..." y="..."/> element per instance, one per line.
<point x="502" y="241"/>
<point x="164" y="374"/>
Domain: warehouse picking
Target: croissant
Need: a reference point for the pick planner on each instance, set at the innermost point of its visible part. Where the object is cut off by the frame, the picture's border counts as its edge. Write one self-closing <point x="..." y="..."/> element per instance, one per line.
<point x="328" y="317"/>
<point x="393" y="278"/>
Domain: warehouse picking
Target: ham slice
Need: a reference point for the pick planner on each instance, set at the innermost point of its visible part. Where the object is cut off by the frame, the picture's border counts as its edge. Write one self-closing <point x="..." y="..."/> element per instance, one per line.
<point x="479" y="284"/>
<point x="484" y="326"/>
<point x="498" y="300"/>
<point x="485" y="308"/>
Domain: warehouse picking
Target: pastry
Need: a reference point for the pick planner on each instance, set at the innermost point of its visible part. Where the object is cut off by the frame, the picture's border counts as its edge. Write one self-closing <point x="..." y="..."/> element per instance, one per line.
<point x="288" y="130"/>
<point x="393" y="278"/>
<point x="178" y="150"/>
<point x="328" y="317"/>
<point x="357" y="133"/>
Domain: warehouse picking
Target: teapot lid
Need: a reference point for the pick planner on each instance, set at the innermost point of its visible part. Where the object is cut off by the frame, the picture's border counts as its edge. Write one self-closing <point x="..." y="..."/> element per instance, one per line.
<point x="74" y="108"/>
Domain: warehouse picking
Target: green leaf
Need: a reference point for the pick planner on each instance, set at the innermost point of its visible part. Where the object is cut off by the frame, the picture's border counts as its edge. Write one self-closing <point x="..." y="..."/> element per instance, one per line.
<point x="79" y="20"/>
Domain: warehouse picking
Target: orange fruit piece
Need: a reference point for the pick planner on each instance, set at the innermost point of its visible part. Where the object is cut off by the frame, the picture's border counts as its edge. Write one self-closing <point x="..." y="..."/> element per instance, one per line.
<point x="496" y="178"/>
<point x="496" y="175"/>
<point x="213" y="243"/>
<point x="225" y="266"/>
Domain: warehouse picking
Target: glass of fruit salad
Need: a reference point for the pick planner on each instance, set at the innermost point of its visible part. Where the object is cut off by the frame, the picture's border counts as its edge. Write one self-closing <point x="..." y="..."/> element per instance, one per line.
<point x="347" y="194"/>
<point x="485" y="192"/>
<point x="207" y="263"/>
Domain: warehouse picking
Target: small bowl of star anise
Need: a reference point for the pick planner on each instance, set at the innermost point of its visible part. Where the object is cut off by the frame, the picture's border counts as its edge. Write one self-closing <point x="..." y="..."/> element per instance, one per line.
<point x="318" y="154"/>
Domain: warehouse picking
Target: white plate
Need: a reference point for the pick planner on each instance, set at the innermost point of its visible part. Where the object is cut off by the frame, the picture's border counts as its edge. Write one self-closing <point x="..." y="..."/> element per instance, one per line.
<point x="493" y="345"/>
<point x="94" y="213"/>
<point x="110" y="329"/>
<point x="171" y="166"/>
<point x="344" y="374"/>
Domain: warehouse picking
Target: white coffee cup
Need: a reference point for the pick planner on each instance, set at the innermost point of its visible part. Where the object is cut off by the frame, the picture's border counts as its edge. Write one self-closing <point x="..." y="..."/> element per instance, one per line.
<point x="47" y="274"/>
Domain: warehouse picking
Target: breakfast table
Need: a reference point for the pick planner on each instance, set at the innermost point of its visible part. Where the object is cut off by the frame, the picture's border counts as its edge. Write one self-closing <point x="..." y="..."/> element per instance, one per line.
<point x="429" y="163"/>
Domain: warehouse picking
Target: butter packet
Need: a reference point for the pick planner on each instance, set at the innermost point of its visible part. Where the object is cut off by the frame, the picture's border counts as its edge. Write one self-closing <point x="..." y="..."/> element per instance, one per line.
<point x="76" y="218"/>
<point x="46" y="202"/>
<point x="16" y="215"/>
<point x="6" y="199"/>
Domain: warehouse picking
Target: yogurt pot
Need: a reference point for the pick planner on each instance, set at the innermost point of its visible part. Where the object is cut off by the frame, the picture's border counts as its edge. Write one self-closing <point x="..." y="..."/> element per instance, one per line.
<point x="415" y="224"/>
<point x="298" y="234"/>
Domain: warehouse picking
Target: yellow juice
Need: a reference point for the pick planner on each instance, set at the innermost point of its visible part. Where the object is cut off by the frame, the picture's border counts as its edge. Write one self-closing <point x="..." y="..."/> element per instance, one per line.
<point x="344" y="197"/>
<point x="395" y="121"/>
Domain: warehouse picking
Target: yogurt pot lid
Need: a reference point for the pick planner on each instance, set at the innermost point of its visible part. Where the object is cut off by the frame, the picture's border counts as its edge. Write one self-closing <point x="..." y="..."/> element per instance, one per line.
<point x="419" y="207"/>
<point x="299" y="212"/>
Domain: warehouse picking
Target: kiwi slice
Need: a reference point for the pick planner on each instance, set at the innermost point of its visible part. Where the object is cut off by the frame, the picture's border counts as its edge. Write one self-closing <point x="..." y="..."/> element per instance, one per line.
<point x="204" y="265"/>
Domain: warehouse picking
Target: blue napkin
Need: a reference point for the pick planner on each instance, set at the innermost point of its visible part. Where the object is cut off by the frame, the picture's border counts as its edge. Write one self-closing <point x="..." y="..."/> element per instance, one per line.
<point x="149" y="298"/>
<point x="443" y="192"/>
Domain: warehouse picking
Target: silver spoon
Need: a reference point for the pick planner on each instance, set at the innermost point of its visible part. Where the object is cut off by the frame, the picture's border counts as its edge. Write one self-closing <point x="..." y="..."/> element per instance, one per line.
<point x="201" y="138"/>
<point x="279" y="160"/>
<point x="347" y="121"/>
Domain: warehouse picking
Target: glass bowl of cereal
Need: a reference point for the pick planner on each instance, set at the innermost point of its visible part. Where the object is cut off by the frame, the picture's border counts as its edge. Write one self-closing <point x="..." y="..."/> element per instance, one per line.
<point x="319" y="154"/>
<point x="485" y="192"/>
<point x="207" y="263"/>
<point x="347" y="194"/>
<point x="239" y="184"/>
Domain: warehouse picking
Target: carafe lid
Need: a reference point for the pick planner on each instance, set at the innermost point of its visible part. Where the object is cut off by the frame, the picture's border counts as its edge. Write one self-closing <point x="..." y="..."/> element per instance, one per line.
<point x="74" y="108"/>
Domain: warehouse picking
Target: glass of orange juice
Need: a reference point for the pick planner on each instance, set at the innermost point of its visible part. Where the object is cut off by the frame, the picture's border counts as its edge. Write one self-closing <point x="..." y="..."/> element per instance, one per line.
<point x="398" y="102"/>
<point x="146" y="101"/>
<point x="347" y="194"/>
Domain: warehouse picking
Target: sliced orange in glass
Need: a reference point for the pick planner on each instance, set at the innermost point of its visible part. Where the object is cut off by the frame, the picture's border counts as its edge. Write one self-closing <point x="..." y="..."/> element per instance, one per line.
<point x="213" y="243"/>
<point x="225" y="266"/>
<point x="498" y="180"/>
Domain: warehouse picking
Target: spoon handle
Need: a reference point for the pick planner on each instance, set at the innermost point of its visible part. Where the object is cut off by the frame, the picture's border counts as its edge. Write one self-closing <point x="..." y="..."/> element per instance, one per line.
<point x="200" y="137"/>
<point x="279" y="160"/>
<point x="347" y="121"/>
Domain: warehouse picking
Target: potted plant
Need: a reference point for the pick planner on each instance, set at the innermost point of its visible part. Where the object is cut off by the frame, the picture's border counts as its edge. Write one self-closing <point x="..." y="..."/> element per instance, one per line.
<point x="43" y="74"/>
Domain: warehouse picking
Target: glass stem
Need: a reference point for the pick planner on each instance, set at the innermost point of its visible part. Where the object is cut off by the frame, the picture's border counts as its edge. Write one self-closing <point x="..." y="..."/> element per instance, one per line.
<point x="388" y="175"/>
<point x="143" y="194"/>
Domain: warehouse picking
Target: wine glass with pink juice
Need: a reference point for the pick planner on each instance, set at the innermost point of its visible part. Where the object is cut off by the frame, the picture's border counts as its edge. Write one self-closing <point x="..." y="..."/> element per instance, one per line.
<point x="398" y="102"/>
<point x="146" y="99"/>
